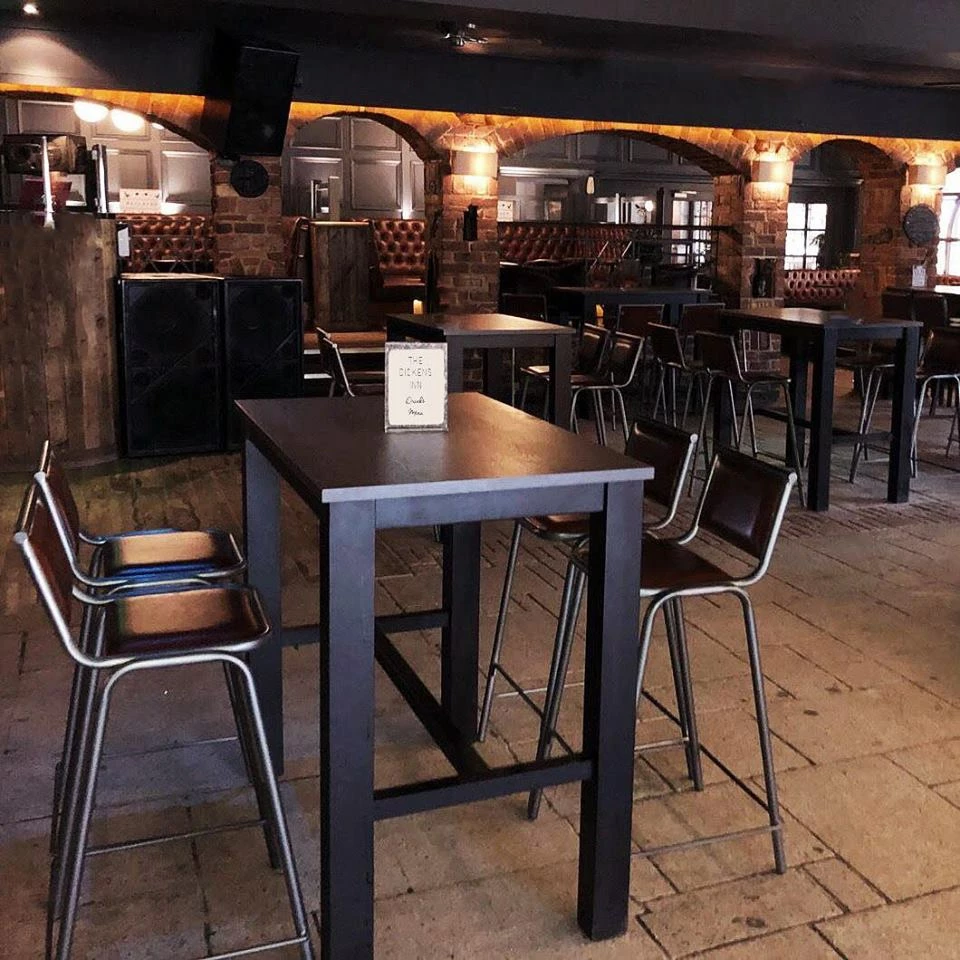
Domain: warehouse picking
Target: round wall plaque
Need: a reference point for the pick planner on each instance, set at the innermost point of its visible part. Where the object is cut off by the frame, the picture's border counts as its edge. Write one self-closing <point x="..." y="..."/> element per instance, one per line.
<point x="921" y="225"/>
<point x="249" y="178"/>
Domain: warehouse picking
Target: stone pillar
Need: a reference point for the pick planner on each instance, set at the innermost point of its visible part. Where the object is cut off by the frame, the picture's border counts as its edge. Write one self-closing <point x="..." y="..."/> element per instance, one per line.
<point x="755" y="218"/>
<point x="249" y="231"/>
<point x="468" y="270"/>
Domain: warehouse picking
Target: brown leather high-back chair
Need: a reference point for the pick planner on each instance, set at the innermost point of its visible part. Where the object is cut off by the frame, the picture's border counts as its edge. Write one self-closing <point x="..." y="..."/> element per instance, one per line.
<point x="931" y="310"/>
<point x="664" y="343"/>
<point x="635" y="318"/>
<point x="718" y="353"/>
<point x="896" y="305"/>
<point x="669" y="450"/>
<point x="590" y="351"/>
<point x="530" y="306"/>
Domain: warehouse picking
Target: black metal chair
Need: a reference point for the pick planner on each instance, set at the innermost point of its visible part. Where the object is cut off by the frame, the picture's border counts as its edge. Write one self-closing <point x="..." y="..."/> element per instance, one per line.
<point x="670" y="452"/>
<point x="358" y="383"/>
<point x="125" y="631"/>
<point x="718" y="353"/>
<point x="667" y="350"/>
<point x="532" y="306"/>
<point x="743" y="504"/>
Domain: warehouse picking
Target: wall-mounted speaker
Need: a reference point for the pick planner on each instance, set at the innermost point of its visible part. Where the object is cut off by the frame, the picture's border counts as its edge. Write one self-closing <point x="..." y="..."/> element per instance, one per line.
<point x="171" y="400"/>
<point x="22" y="153"/>
<point x="248" y="92"/>
<point x="263" y="343"/>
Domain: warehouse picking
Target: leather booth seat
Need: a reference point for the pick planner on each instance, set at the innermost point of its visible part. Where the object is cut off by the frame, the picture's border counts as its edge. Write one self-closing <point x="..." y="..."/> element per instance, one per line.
<point x="400" y="246"/>
<point x="180" y="238"/>
<point x="818" y="288"/>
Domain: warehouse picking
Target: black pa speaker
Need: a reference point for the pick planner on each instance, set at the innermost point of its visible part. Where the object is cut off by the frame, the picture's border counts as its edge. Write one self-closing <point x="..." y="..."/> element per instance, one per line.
<point x="263" y="343"/>
<point x="22" y="153"/>
<point x="248" y="92"/>
<point x="171" y="398"/>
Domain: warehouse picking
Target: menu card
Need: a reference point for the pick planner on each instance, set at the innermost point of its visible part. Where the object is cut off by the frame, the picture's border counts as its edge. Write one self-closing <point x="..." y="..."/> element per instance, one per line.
<point x="416" y="386"/>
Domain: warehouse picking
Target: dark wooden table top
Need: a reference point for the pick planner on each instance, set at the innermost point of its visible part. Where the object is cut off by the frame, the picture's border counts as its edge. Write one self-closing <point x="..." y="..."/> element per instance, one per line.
<point x="479" y="324"/>
<point x="334" y="450"/>
<point x="812" y="320"/>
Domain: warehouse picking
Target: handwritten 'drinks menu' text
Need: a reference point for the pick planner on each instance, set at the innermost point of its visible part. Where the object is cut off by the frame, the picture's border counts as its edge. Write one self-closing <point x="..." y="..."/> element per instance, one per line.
<point x="416" y="386"/>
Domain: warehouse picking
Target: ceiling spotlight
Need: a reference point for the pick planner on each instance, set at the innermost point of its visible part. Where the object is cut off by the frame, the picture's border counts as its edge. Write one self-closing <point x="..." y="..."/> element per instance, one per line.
<point x="126" y="121"/>
<point x="31" y="9"/>
<point x="157" y="126"/>
<point x="90" y="112"/>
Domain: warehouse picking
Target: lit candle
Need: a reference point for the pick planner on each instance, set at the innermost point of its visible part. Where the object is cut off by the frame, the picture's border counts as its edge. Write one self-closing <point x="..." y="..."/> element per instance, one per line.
<point x="417" y="307"/>
<point x="599" y="313"/>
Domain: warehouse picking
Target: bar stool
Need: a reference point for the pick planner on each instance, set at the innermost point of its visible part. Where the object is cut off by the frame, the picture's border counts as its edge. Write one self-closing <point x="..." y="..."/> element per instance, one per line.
<point x="126" y="632"/>
<point x="670" y="452"/>
<point x="635" y="319"/>
<point x="743" y="504"/>
<point x="591" y="351"/>
<point x="667" y="350"/>
<point x="721" y="361"/>
<point x="940" y="365"/>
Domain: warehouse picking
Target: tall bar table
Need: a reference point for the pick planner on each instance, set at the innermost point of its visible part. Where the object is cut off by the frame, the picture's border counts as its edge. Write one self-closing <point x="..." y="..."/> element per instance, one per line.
<point x="811" y="337"/>
<point x="583" y="301"/>
<point x="491" y="333"/>
<point x="494" y="462"/>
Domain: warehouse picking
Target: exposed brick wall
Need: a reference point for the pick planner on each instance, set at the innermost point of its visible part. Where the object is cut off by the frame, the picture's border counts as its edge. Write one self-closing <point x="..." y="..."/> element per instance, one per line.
<point x="249" y="231"/>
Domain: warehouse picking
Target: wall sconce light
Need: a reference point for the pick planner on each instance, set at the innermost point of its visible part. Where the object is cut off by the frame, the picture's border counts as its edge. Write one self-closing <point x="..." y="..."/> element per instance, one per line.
<point x="771" y="170"/>
<point x="926" y="175"/>
<point x="90" y="112"/>
<point x="590" y="188"/>
<point x="475" y="163"/>
<point x="126" y="121"/>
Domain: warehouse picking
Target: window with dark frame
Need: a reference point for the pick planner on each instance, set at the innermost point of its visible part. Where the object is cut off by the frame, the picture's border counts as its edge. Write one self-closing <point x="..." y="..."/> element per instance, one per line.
<point x="806" y="229"/>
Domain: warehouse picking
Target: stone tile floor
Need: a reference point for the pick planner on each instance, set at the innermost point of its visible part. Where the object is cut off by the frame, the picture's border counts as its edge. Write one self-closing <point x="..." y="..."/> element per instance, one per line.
<point x="858" y="621"/>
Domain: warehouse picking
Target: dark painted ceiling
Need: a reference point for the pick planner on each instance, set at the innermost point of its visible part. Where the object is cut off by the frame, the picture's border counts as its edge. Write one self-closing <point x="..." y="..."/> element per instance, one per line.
<point x="880" y="42"/>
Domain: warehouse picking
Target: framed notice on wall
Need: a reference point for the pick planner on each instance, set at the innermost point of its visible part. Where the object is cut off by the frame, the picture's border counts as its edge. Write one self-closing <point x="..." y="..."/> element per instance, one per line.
<point x="415" y="397"/>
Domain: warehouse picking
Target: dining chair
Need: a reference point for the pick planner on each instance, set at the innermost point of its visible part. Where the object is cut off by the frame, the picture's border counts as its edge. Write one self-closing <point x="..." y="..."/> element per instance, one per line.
<point x="665" y="448"/>
<point x="718" y="354"/>
<point x="743" y="503"/>
<point x="125" y="632"/>
<point x="358" y="383"/>
<point x="666" y="348"/>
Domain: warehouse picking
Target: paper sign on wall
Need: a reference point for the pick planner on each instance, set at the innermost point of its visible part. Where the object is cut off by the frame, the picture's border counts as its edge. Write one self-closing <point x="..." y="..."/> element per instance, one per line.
<point x="416" y="386"/>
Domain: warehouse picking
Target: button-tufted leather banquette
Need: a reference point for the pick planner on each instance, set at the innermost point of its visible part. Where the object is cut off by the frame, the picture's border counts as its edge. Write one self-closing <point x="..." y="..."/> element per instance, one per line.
<point x="158" y="237"/>
<point x="401" y="249"/>
<point x="523" y="241"/>
<point x="818" y="288"/>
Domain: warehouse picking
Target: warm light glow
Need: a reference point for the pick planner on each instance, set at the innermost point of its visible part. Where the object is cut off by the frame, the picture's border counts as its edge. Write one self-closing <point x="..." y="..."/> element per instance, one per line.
<point x="31" y="9"/>
<point x="417" y="307"/>
<point x="598" y="311"/>
<point x="591" y="186"/>
<point x="475" y="163"/>
<point x="89" y="111"/>
<point x="157" y="126"/>
<point x="126" y="121"/>
<point x="770" y="169"/>
<point x="926" y="175"/>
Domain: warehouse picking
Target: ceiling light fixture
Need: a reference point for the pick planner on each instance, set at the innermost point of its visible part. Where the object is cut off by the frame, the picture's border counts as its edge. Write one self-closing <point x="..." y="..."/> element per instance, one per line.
<point x="126" y="121"/>
<point x="89" y="111"/>
<point x="31" y="9"/>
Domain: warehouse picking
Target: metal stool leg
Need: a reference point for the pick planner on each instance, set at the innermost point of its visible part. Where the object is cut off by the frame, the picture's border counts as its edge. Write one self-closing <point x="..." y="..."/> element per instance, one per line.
<point x="763" y="728"/>
<point x="618" y="398"/>
<point x="600" y="424"/>
<point x="524" y="389"/>
<point x="701" y="439"/>
<point x="489" y="692"/>
<point x="692" y="744"/>
<point x="661" y="395"/>
<point x="566" y="630"/>
<point x="792" y="433"/>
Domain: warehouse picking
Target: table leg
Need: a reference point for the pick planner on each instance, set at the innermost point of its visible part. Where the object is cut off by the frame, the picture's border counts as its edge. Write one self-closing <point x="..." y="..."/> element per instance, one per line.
<point x="609" y="712"/>
<point x="261" y="547"/>
<point x="799" y="359"/>
<point x="460" y="639"/>
<point x="454" y="368"/>
<point x="347" y="536"/>
<point x="821" y="422"/>
<point x="560" y="364"/>
<point x="904" y="387"/>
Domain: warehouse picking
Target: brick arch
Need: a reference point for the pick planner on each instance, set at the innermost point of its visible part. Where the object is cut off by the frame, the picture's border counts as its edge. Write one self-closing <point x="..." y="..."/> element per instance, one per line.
<point x="408" y="124"/>
<point x="718" y="152"/>
<point x="181" y="114"/>
<point x="870" y="154"/>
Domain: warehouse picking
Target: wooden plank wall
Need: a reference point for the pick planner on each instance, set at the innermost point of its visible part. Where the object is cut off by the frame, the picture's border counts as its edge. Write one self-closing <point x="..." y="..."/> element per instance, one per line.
<point x="58" y="374"/>
<point x="341" y="275"/>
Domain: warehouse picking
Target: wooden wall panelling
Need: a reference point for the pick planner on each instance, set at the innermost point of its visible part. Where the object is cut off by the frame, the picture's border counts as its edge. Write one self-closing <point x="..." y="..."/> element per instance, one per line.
<point x="341" y="275"/>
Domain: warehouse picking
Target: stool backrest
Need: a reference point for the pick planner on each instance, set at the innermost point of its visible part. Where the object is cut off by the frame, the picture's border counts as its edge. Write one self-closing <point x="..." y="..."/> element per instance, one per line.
<point x="665" y="344"/>
<point x="39" y="542"/>
<point x="941" y="357"/>
<point x="896" y="305"/>
<point x="635" y="318"/>
<point x="743" y="503"/>
<point x="669" y="450"/>
<point x="624" y="358"/>
<point x="59" y="488"/>
<point x="700" y="316"/>
<point x="593" y="343"/>
<point x="718" y="353"/>
<point x="333" y="363"/>
<point x="931" y="310"/>
<point x="531" y="306"/>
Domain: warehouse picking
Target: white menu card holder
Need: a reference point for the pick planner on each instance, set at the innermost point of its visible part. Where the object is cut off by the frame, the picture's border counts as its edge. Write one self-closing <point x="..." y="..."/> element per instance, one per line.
<point x="415" y="397"/>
